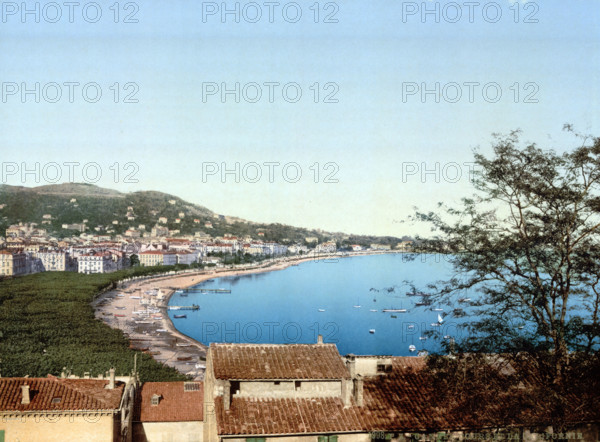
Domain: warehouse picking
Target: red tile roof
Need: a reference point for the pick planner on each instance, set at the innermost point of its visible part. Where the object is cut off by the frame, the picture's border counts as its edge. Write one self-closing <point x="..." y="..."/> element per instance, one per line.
<point x="272" y="361"/>
<point x="403" y="400"/>
<point x="175" y="404"/>
<point x="287" y="416"/>
<point x="74" y="394"/>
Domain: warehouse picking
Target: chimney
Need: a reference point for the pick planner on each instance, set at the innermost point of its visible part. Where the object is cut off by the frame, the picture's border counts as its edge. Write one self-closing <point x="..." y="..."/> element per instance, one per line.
<point x="346" y="392"/>
<point x="226" y="395"/>
<point x="358" y="390"/>
<point x="111" y="379"/>
<point x="63" y="373"/>
<point x="320" y="339"/>
<point x="351" y="363"/>
<point x="26" y="399"/>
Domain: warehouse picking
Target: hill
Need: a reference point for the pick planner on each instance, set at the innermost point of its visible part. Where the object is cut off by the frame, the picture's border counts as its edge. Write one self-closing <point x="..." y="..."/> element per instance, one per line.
<point x="112" y="212"/>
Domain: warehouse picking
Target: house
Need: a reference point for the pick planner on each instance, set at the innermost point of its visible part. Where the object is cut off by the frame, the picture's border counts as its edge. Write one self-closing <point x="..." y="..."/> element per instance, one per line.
<point x="12" y="263"/>
<point x="169" y="411"/>
<point x="60" y="409"/>
<point x="54" y="261"/>
<point x="159" y="231"/>
<point x="157" y="258"/>
<point x="163" y="220"/>
<point x="259" y="390"/>
<point x="96" y="262"/>
<point x="309" y="393"/>
<point x="186" y="257"/>
<point x="356" y="248"/>
<point x="326" y="247"/>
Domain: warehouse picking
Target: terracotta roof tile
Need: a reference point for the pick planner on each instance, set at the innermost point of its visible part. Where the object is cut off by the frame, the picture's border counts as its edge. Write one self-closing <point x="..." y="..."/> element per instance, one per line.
<point x="287" y="416"/>
<point x="74" y="394"/>
<point x="271" y="361"/>
<point x="399" y="401"/>
<point x="175" y="404"/>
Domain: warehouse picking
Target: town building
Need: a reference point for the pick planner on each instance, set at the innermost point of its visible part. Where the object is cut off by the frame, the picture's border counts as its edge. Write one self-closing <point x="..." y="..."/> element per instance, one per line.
<point x="62" y="409"/>
<point x="12" y="263"/>
<point x="157" y="258"/>
<point x="96" y="262"/>
<point x="169" y="411"/>
<point x="53" y="261"/>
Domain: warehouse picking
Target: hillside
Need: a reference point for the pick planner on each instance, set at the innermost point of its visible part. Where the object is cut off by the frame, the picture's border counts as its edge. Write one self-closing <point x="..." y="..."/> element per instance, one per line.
<point x="114" y="212"/>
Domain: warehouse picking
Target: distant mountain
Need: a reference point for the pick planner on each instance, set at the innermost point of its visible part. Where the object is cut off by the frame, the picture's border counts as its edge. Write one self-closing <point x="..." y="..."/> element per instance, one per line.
<point x="53" y="206"/>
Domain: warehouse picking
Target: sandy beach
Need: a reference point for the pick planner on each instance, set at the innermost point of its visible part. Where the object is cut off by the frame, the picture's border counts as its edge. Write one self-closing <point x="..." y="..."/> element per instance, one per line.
<point x="139" y="309"/>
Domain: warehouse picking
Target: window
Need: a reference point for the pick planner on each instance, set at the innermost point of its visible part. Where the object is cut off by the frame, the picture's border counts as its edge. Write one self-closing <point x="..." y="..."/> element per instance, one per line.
<point x="384" y="368"/>
<point x="191" y="386"/>
<point x="332" y="438"/>
<point x="1" y="435"/>
<point x="235" y="387"/>
<point x="253" y="439"/>
<point x="297" y="385"/>
<point x="155" y="399"/>
<point x="56" y="400"/>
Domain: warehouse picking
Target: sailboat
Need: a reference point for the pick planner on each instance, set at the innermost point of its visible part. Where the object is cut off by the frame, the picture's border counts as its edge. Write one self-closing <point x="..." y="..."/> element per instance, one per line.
<point x="357" y="304"/>
<point x="439" y="323"/>
<point x="412" y="348"/>
<point x="321" y="309"/>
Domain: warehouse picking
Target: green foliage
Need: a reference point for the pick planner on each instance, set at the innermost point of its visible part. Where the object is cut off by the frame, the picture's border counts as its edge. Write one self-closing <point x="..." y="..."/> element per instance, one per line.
<point x="47" y="323"/>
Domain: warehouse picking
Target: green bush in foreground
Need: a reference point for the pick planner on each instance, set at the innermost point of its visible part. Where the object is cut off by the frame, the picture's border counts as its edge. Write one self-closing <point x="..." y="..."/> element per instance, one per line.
<point x="47" y="323"/>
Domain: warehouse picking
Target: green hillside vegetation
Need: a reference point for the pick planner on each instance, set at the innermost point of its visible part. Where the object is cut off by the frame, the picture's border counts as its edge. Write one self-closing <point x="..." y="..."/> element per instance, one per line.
<point x="103" y="206"/>
<point x="47" y="323"/>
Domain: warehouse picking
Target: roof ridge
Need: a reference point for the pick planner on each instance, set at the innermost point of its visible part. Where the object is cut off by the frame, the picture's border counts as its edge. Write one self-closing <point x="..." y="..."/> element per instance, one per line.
<point x="98" y="401"/>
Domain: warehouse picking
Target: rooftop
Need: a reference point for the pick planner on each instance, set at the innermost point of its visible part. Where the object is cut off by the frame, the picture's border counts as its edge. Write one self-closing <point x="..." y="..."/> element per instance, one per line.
<point x="272" y="361"/>
<point x="178" y="402"/>
<point x="51" y="393"/>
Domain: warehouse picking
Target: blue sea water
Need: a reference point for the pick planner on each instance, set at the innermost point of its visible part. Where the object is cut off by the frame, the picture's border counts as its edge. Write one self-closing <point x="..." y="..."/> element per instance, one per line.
<point x="283" y="306"/>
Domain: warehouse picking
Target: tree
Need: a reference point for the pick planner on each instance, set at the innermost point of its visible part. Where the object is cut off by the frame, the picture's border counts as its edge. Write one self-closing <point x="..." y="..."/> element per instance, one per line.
<point x="528" y="243"/>
<point x="134" y="260"/>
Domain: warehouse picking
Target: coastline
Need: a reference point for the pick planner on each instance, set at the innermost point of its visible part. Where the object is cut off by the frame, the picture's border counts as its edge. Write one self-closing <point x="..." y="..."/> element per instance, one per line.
<point x="155" y="333"/>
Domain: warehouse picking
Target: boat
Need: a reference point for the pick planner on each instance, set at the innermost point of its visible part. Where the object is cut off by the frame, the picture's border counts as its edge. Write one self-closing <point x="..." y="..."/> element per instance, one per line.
<point x="120" y="295"/>
<point x="464" y="299"/>
<point x="180" y="316"/>
<point x="153" y="353"/>
<point x="372" y="331"/>
<point x="373" y="310"/>
<point x="394" y="310"/>
<point x="162" y="330"/>
<point x="120" y="308"/>
<point x="440" y="319"/>
<point x="438" y="309"/>
<point x="436" y="324"/>
<point x="183" y="295"/>
<point x="393" y="316"/>
<point x="412" y="348"/>
<point x="135" y="297"/>
<point x="321" y="309"/>
<point x="411" y="327"/>
<point x="183" y="344"/>
<point x="422" y="338"/>
<point x="422" y="353"/>
<point x="447" y="337"/>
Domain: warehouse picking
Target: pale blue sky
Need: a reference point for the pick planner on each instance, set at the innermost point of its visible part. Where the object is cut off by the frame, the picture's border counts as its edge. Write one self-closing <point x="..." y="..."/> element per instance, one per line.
<point x="369" y="133"/>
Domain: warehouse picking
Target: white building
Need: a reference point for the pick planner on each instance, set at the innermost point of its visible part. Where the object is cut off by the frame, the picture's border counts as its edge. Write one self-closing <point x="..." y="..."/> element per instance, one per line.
<point x="99" y="262"/>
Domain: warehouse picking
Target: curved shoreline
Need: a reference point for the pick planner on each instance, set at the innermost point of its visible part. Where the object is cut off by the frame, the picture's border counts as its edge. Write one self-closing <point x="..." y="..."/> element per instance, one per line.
<point x="158" y="336"/>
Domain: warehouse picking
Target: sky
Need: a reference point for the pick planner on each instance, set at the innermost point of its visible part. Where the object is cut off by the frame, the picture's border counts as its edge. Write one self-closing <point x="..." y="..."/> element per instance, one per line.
<point x="342" y="116"/>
